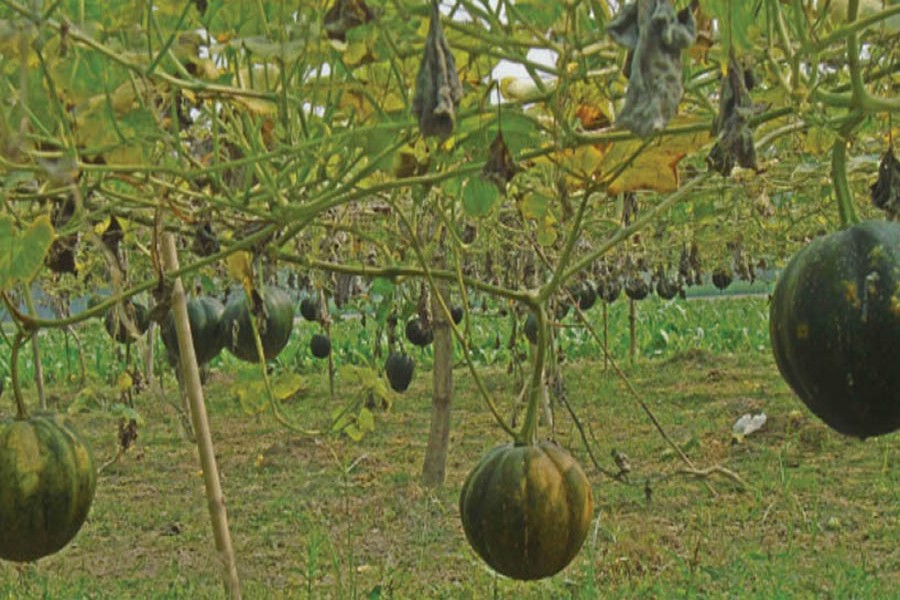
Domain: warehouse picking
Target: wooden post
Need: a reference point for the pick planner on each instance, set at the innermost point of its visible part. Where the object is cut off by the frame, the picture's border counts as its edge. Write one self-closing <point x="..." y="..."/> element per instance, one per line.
<point x="435" y="465"/>
<point x="191" y="375"/>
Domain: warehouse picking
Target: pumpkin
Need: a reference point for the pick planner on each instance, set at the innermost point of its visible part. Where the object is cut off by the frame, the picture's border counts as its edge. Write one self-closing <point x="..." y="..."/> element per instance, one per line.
<point x="418" y="335"/>
<point x="204" y="315"/>
<point x="834" y="323"/>
<point x="526" y="509"/>
<point x="636" y="287"/>
<point x="584" y="294"/>
<point x="609" y="289"/>
<point x="274" y="329"/>
<point x="309" y="309"/>
<point x="47" y="483"/>
<point x="399" y="370"/>
<point x="114" y="321"/>
<point x="320" y="345"/>
<point x="722" y="277"/>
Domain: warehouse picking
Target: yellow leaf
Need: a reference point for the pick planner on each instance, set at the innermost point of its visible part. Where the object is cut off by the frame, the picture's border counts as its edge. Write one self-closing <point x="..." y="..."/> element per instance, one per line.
<point x="124" y="382"/>
<point x="656" y="167"/>
<point x="239" y="266"/>
<point x="356" y="52"/>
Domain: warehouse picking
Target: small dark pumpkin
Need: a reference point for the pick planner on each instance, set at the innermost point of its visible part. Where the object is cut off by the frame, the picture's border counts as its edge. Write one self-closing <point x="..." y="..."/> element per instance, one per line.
<point x="204" y="315"/>
<point x="320" y="345"/>
<point x="115" y="325"/>
<point x="834" y="323"/>
<point x="526" y="509"/>
<point x="274" y="330"/>
<point x="416" y="334"/>
<point x="309" y="309"/>
<point x="722" y="277"/>
<point x="399" y="370"/>
<point x="585" y="295"/>
<point x="47" y="483"/>
<point x="636" y="287"/>
<point x="609" y="289"/>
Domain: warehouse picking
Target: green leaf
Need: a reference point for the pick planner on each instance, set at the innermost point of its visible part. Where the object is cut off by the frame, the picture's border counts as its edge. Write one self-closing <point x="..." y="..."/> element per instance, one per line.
<point x="287" y="385"/>
<point x="354" y="433"/>
<point x="479" y="196"/>
<point x="84" y="401"/>
<point x="366" y="420"/>
<point x="22" y="252"/>
<point x="540" y="13"/>
<point x="535" y="206"/>
<point x="127" y="413"/>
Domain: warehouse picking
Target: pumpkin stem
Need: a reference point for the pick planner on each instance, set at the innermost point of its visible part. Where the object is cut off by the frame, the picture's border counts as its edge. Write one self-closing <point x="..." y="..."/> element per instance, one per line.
<point x="528" y="433"/>
<point x="839" y="174"/>
<point x="21" y="411"/>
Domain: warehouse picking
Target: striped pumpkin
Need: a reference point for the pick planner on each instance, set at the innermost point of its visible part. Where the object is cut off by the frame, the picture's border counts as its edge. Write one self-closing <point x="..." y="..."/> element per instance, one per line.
<point x="526" y="509"/>
<point x="47" y="482"/>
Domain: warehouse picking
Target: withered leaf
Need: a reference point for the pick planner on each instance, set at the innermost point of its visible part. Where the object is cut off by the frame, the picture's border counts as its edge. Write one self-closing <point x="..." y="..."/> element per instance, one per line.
<point x="438" y="89"/>
<point x="656" y="38"/>
<point x="113" y="235"/>
<point x="734" y="144"/>
<point x="886" y="189"/>
<point x="344" y="15"/>
<point x="500" y="166"/>
<point x="205" y="241"/>
<point x="61" y="256"/>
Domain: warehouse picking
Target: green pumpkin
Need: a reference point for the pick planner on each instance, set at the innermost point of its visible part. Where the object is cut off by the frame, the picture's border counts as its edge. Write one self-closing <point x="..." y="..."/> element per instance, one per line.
<point x="274" y="329"/>
<point x="399" y="369"/>
<point x="526" y="509"/>
<point x="47" y="482"/>
<point x="204" y="315"/>
<point x="115" y="325"/>
<point x="834" y="323"/>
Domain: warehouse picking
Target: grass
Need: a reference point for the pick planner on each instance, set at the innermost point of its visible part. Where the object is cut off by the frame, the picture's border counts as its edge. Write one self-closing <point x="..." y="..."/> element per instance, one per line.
<point x="324" y="517"/>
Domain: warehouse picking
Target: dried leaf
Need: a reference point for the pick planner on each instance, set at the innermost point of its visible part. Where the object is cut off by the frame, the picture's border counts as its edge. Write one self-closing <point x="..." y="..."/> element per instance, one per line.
<point x="113" y="235"/>
<point x="656" y="38"/>
<point x="438" y="89"/>
<point x="500" y="166"/>
<point x="344" y="15"/>
<point x="205" y="241"/>
<point x="735" y="139"/>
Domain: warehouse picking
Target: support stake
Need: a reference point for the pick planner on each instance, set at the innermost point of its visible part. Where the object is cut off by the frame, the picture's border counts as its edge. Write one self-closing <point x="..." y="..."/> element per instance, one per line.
<point x="191" y="375"/>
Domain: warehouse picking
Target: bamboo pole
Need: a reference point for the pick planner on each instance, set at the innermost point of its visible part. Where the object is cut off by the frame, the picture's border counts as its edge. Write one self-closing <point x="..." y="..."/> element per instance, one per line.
<point x="191" y="376"/>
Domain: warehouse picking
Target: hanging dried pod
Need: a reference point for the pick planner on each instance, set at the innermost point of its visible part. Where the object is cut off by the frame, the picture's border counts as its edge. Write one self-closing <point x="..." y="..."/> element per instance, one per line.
<point x="886" y="189"/>
<point x="655" y="37"/>
<point x="734" y="139"/>
<point x="438" y="89"/>
<point x="500" y="166"/>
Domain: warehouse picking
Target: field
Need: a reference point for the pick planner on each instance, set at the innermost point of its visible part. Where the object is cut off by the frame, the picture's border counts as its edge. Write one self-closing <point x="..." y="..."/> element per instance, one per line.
<point x="321" y="516"/>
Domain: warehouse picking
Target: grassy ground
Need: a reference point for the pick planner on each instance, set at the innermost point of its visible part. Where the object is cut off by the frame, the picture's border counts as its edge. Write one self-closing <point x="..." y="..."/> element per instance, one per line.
<point x="324" y="517"/>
